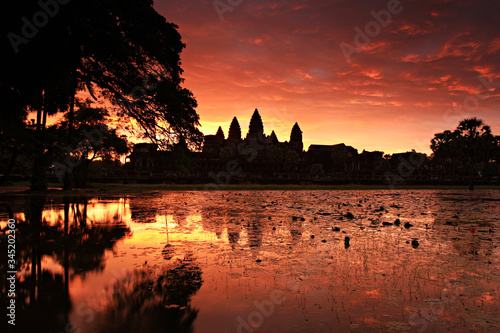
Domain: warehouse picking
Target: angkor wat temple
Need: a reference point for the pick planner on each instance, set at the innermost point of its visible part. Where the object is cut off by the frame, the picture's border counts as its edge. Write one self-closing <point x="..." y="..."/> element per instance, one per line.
<point x="261" y="158"/>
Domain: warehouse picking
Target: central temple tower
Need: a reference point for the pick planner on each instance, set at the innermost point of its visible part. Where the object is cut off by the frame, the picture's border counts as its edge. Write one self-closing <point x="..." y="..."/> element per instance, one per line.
<point x="256" y="128"/>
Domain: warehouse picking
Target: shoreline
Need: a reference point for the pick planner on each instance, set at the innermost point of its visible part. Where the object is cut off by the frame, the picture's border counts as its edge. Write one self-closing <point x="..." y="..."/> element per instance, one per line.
<point x="117" y="189"/>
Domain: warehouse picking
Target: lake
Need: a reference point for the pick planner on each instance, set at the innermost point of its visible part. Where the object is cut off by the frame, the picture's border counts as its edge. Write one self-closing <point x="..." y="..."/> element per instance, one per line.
<point x="257" y="261"/>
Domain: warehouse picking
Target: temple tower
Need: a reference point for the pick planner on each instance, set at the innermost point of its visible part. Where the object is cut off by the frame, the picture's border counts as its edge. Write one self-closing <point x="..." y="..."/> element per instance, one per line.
<point x="273" y="138"/>
<point x="256" y="128"/>
<point x="234" y="131"/>
<point x="220" y="134"/>
<point x="296" y="139"/>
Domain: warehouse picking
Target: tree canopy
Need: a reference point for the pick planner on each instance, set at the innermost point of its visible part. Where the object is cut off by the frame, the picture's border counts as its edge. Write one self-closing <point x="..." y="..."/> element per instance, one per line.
<point x="93" y="139"/>
<point x="470" y="146"/>
<point x="124" y="51"/>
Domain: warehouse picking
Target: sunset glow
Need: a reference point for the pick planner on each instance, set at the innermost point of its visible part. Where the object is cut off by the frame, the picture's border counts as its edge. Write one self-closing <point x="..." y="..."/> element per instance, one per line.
<point x="243" y="166"/>
<point x="418" y="76"/>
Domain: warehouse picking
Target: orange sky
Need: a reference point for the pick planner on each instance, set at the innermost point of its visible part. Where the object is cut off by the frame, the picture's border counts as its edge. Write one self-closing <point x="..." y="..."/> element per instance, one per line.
<point x="284" y="58"/>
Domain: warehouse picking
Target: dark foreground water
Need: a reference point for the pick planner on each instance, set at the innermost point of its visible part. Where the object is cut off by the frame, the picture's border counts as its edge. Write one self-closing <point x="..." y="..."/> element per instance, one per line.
<point x="273" y="261"/>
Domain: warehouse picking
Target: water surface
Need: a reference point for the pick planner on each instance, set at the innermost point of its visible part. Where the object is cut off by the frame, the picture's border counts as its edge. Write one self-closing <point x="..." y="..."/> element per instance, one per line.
<point x="248" y="261"/>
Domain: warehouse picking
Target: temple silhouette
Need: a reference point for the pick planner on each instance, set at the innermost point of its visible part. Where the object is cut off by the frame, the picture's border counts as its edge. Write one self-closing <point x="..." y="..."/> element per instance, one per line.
<point x="261" y="158"/>
<point x="213" y="144"/>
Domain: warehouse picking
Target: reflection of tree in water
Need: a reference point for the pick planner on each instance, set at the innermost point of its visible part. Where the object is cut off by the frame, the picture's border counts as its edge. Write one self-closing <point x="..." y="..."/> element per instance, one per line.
<point x="85" y="242"/>
<point x="76" y="245"/>
<point x="46" y="308"/>
<point x="87" y="247"/>
<point x="148" y="302"/>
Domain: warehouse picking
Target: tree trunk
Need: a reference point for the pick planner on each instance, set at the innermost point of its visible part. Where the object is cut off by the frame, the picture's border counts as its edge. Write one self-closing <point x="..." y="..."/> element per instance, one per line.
<point x="80" y="174"/>
<point x="40" y="167"/>
<point x="68" y="181"/>
<point x="10" y="166"/>
<point x="38" y="179"/>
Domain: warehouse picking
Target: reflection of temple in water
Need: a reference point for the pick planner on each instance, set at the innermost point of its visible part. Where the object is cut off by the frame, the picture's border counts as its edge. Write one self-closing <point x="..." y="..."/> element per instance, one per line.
<point x="234" y="247"/>
<point x="152" y="209"/>
<point x="234" y="229"/>
<point x="219" y="220"/>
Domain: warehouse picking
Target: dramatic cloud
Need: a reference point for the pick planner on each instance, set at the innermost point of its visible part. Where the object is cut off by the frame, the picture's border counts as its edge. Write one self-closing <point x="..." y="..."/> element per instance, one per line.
<point x="391" y="85"/>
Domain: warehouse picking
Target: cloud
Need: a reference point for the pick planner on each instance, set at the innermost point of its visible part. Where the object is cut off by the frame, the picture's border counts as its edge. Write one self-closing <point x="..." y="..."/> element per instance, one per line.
<point x="277" y="54"/>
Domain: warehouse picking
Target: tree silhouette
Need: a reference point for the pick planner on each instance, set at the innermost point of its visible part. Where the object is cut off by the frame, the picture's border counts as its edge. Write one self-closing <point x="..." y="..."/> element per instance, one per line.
<point x="92" y="139"/>
<point x="14" y="134"/>
<point x="444" y="146"/>
<point x="472" y="142"/>
<point x="123" y="51"/>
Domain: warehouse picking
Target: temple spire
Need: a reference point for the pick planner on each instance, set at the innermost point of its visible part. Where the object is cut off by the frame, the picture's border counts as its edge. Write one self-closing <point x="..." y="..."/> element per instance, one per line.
<point x="296" y="138"/>
<point x="273" y="138"/>
<point x="220" y="133"/>
<point x="234" y="131"/>
<point x="256" y="128"/>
